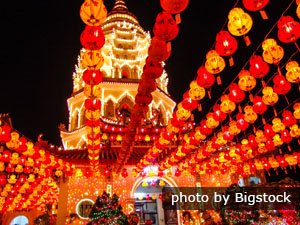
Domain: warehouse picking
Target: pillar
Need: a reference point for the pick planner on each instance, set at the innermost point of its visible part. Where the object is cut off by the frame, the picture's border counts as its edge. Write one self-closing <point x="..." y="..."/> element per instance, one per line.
<point x="62" y="211"/>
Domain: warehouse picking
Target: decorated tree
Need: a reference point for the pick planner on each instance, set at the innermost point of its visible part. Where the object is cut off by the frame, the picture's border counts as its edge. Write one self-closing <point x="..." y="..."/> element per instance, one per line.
<point x="108" y="211"/>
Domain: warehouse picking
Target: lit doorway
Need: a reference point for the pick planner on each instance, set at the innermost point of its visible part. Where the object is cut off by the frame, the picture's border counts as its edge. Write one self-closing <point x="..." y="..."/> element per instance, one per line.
<point x="148" y="202"/>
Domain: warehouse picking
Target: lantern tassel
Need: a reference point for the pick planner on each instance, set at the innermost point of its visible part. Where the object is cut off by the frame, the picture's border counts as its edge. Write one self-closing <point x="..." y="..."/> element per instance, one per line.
<point x="209" y="94"/>
<point x="263" y="14"/>
<point x="247" y="40"/>
<point x="240" y="108"/>
<point x="199" y="107"/>
<point x="231" y="61"/>
<point x="219" y="81"/>
<point x="178" y="18"/>
<point x="251" y="97"/>
<point x="263" y="83"/>
<point x="275" y="112"/>
<point x="264" y="120"/>
<point x="289" y="148"/>
<point x="279" y="70"/>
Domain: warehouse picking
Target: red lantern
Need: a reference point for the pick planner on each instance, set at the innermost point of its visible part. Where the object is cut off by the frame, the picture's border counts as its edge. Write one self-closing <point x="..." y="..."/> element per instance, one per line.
<point x="153" y="68"/>
<point x="92" y="37"/>
<point x="252" y="141"/>
<point x="6" y="156"/>
<point x="204" y="78"/>
<point x="288" y="119"/>
<point x="177" y="122"/>
<point x="204" y="129"/>
<point x="281" y="85"/>
<point x="268" y="131"/>
<point x="226" y="134"/>
<point x="259" y="106"/>
<point x="269" y="145"/>
<point x="218" y="115"/>
<point x="258" y="67"/>
<point x="143" y="99"/>
<point x="2" y="179"/>
<point x="158" y="50"/>
<point x="241" y="122"/>
<point x="107" y="172"/>
<point x="174" y="6"/>
<point x="288" y="29"/>
<point x="285" y="136"/>
<point x="124" y="173"/>
<point x="92" y="104"/>
<point x="226" y="45"/>
<point x="146" y="85"/>
<point x="281" y="161"/>
<point x="165" y="27"/>
<point x="88" y="173"/>
<point x="177" y="172"/>
<point x="92" y="77"/>
<point x="235" y="93"/>
<point x="188" y="103"/>
<point x="255" y="5"/>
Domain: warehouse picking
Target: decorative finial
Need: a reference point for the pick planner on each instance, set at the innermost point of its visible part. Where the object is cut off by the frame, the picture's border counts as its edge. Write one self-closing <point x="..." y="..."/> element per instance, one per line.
<point x="120" y="4"/>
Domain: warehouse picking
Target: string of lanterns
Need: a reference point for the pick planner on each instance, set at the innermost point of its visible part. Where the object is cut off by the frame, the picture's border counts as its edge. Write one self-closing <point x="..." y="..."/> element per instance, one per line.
<point x="93" y="13"/>
<point x="165" y="30"/>
<point x="26" y="173"/>
<point x="246" y="83"/>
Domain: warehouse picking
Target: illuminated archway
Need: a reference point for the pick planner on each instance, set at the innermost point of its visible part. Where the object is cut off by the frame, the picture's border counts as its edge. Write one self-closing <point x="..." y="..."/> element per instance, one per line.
<point x="20" y="220"/>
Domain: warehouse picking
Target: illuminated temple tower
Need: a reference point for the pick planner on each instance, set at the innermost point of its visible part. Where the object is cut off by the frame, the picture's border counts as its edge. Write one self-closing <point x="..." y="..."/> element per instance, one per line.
<point x="124" y="52"/>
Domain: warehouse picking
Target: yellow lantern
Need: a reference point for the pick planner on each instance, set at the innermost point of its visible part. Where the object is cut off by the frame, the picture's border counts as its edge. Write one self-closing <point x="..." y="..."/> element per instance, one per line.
<point x="211" y="122"/>
<point x="233" y="129"/>
<point x="293" y="72"/>
<point x="92" y="90"/>
<point x="227" y="106"/>
<point x="277" y="126"/>
<point x="14" y="141"/>
<point x="246" y="81"/>
<point x="297" y="110"/>
<point x="260" y="137"/>
<point x="240" y="23"/>
<point x="214" y="62"/>
<point x="291" y="160"/>
<point x="250" y="115"/>
<point x="182" y="113"/>
<point x="270" y="97"/>
<point x="93" y="12"/>
<point x="273" y="162"/>
<point x="196" y="92"/>
<point x="295" y="131"/>
<point x="259" y="165"/>
<point x="277" y="140"/>
<point x="272" y="53"/>
<point x="92" y="59"/>
<point x="92" y="114"/>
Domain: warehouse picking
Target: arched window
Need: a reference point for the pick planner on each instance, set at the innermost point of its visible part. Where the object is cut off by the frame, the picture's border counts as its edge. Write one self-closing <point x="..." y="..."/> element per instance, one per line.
<point x="109" y="109"/>
<point x="82" y="119"/>
<point x="125" y="72"/>
<point x="74" y="123"/>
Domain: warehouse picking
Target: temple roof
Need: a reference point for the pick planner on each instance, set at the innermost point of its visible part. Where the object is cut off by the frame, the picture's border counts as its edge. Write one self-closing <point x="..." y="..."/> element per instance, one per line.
<point x="120" y="13"/>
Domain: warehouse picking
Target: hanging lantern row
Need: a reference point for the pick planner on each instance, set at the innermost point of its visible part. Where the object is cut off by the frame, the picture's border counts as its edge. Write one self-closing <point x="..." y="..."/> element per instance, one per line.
<point x="272" y="54"/>
<point x="272" y="137"/>
<point x="26" y="172"/>
<point x="239" y="24"/>
<point x="229" y="165"/>
<point x="226" y="45"/>
<point x="93" y="13"/>
<point x="165" y="30"/>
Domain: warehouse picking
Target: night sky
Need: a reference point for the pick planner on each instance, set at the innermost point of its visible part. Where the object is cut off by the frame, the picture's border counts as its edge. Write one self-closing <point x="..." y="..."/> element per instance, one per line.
<point x="40" y="45"/>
